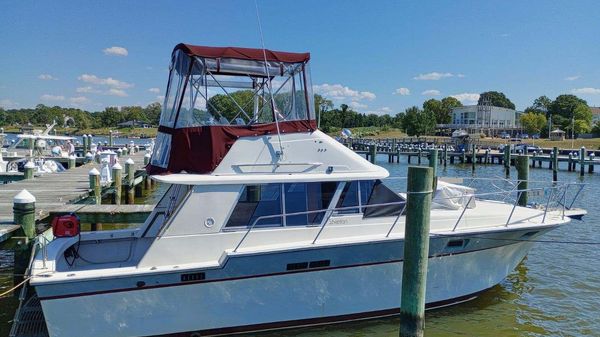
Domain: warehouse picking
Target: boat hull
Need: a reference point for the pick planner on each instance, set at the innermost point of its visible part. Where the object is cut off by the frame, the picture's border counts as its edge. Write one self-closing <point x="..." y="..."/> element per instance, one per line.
<point x="306" y="297"/>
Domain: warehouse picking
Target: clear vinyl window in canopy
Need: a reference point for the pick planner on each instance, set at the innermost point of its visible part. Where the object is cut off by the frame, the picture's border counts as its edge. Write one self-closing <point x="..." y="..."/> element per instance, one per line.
<point x="229" y="91"/>
<point x="213" y="86"/>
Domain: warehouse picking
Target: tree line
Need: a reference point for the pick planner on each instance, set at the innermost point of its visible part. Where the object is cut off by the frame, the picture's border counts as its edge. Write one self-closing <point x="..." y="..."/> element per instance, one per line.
<point x="109" y="117"/>
<point x="567" y="112"/>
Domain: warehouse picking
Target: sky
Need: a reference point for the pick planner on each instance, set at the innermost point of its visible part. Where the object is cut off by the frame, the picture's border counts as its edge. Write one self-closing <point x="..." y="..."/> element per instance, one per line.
<point x="376" y="56"/>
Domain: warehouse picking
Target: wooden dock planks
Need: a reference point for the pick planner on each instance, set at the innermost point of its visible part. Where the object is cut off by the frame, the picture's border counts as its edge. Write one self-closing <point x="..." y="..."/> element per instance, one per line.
<point x="52" y="192"/>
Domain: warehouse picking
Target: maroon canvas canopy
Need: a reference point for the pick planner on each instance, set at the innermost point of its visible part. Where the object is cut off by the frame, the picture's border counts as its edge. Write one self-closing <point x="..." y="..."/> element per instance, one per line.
<point x="201" y="149"/>
<point x="242" y="53"/>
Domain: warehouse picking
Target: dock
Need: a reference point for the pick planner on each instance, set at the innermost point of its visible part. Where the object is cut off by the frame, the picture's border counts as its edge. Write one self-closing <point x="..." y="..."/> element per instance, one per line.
<point x="58" y="192"/>
<point x="415" y="149"/>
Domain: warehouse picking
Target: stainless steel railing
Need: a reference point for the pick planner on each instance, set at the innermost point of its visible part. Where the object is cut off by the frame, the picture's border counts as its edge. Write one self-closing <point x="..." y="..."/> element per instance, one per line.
<point x="550" y="191"/>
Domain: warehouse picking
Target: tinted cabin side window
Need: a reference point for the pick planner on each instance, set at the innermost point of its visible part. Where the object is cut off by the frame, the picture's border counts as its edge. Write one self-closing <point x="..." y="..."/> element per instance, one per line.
<point x="307" y="197"/>
<point x="262" y="200"/>
<point x="254" y="202"/>
<point x="381" y="194"/>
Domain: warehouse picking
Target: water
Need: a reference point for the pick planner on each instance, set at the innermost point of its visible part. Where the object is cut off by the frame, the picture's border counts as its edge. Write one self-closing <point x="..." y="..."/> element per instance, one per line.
<point x="555" y="291"/>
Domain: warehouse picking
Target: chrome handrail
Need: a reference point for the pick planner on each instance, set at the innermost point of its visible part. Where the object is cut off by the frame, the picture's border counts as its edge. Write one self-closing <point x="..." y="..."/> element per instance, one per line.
<point x="331" y="211"/>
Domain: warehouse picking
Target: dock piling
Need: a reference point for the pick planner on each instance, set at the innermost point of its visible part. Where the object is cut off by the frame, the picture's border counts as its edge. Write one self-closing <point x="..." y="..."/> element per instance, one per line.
<point x="507" y="160"/>
<point x="95" y="186"/>
<point x="555" y="163"/>
<point x="523" y="177"/>
<point x="28" y="170"/>
<point x="130" y="170"/>
<point x="24" y="212"/>
<point x="582" y="161"/>
<point x="416" y="250"/>
<point x="433" y="163"/>
<point x="473" y="157"/>
<point x="117" y="182"/>
<point x="72" y="161"/>
<point x="372" y="152"/>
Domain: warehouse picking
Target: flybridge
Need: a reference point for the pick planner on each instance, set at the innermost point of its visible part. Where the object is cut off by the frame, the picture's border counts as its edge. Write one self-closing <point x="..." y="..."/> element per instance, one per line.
<point x="218" y="94"/>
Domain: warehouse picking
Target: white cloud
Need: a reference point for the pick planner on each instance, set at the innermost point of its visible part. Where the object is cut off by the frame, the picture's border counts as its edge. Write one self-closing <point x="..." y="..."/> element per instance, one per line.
<point x="116" y="92"/>
<point x="340" y="92"/>
<point x="79" y="100"/>
<point x="160" y="98"/>
<point x="154" y="90"/>
<point x="586" y="91"/>
<point x="460" y="75"/>
<point x="402" y="92"/>
<point x="88" y="90"/>
<point x="47" y="97"/>
<point x="434" y="76"/>
<point x="357" y="105"/>
<point x="8" y="104"/>
<point x="467" y="98"/>
<point x="109" y="81"/>
<point x="381" y="111"/>
<point x="386" y="109"/>
<point x="572" y="78"/>
<point x="116" y="51"/>
<point x="431" y="92"/>
<point x="47" y="77"/>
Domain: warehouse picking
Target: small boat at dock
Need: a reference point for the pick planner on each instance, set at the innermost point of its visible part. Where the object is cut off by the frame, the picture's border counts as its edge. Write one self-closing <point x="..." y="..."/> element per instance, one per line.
<point x="268" y="223"/>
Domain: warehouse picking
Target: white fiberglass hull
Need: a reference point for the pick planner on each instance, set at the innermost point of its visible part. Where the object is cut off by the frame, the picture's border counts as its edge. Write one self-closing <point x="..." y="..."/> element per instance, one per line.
<point x="276" y="301"/>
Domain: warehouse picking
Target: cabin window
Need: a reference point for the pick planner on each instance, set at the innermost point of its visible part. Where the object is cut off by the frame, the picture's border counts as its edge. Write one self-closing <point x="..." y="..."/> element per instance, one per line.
<point x="361" y="194"/>
<point x="303" y="197"/>
<point x="257" y="201"/>
<point x="381" y="194"/>
<point x="261" y="200"/>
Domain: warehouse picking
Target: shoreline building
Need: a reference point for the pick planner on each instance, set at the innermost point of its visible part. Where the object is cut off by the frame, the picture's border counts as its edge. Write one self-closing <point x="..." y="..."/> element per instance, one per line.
<point x="484" y="119"/>
<point x="595" y="115"/>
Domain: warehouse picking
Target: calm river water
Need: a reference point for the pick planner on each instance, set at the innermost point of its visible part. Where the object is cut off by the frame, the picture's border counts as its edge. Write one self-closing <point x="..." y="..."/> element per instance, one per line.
<point x="555" y="291"/>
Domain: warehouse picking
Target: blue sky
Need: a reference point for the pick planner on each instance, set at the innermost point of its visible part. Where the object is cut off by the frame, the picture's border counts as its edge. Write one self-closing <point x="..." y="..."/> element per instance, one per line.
<point x="377" y="56"/>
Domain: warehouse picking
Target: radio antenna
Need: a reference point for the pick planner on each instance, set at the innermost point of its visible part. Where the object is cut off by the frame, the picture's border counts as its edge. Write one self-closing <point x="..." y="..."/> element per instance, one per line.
<point x="275" y="113"/>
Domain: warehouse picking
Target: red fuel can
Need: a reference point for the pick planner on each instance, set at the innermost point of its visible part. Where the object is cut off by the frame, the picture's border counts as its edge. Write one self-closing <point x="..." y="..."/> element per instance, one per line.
<point x="65" y="226"/>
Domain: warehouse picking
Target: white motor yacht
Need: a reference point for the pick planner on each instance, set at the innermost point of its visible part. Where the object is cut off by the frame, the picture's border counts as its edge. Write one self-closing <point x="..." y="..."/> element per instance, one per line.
<point x="267" y="222"/>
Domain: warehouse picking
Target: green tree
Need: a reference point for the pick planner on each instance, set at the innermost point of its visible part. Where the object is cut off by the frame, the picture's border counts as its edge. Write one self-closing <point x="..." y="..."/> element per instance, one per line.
<point x="565" y="105"/>
<point x="223" y="105"/>
<point x="583" y="119"/>
<point x="417" y="122"/>
<point x="2" y="117"/>
<point x="533" y="122"/>
<point x="496" y="99"/>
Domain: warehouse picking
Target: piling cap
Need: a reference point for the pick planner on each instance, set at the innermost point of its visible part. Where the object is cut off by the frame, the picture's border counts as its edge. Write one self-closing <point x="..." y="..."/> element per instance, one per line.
<point x="119" y="150"/>
<point x="129" y="161"/>
<point x="72" y="157"/>
<point x="117" y="166"/>
<point x="89" y="155"/>
<point x="29" y="164"/>
<point x="94" y="172"/>
<point x="23" y="197"/>
<point x="147" y="155"/>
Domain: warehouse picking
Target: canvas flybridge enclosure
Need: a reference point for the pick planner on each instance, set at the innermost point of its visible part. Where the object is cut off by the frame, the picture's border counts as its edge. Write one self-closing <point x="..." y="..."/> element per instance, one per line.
<point x="217" y="94"/>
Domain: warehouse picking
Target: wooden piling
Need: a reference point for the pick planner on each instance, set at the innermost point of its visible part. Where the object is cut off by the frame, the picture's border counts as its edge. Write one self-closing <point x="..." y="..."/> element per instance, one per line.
<point x="419" y="157"/>
<point x="433" y="163"/>
<point x="95" y="187"/>
<point x="117" y="182"/>
<point x="507" y="160"/>
<point x="555" y="153"/>
<point x="416" y="250"/>
<point x="570" y="163"/>
<point x="28" y="170"/>
<point x="582" y="161"/>
<point x="110" y="138"/>
<point x="445" y="154"/>
<point x="72" y="162"/>
<point x="522" y="164"/>
<point x="24" y="212"/>
<point x="372" y="152"/>
<point x="130" y="170"/>
<point x="473" y="157"/>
